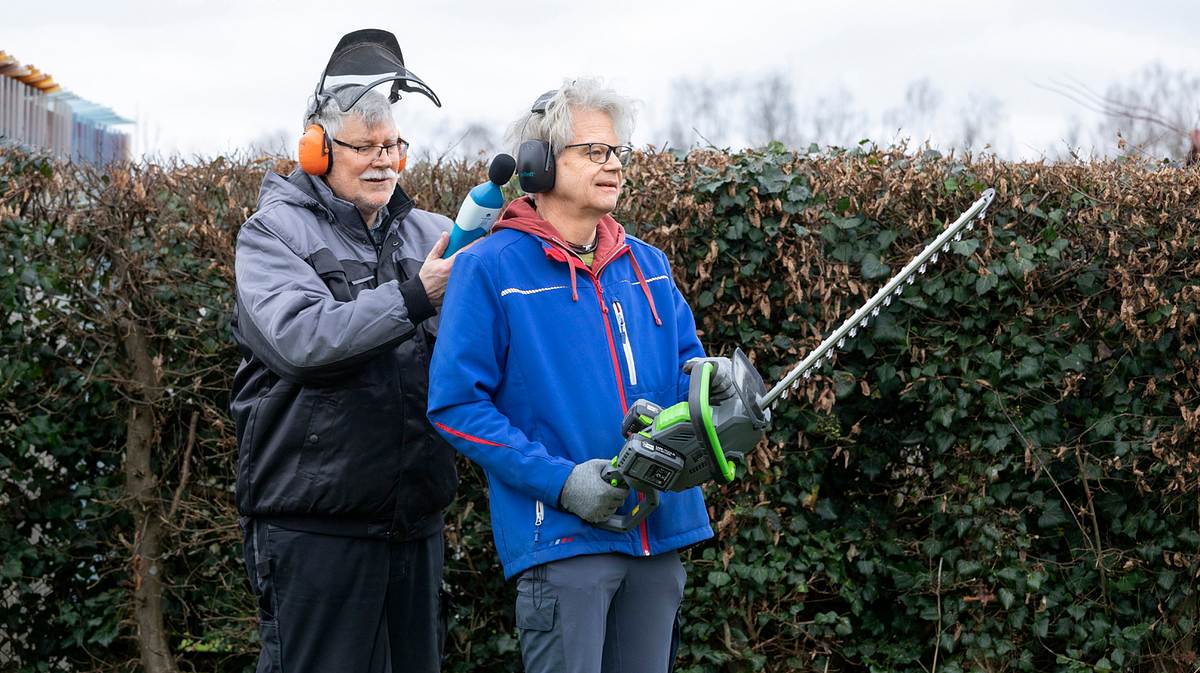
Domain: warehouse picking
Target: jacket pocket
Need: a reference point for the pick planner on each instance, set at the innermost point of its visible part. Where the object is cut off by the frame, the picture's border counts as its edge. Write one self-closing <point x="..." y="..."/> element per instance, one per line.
<point x="361" y="276"/>
<point x="626" y="343"/>
<point x="324" y="416"/>
<point x="280" y="450"/>
<point x="539" y="515"/>
<point x="428" y="479"/>
<point x="249" y="444"/>
<point x="327" y="266"/>
<point x="351" y="451"/>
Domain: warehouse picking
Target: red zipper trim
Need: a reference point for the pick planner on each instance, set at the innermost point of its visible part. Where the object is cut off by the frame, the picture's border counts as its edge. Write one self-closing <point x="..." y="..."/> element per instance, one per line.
<point x="620" y="251"/>
<point x="612" y="347"/>
<point x="612" y="350"/>
<point x="645" y="535"/>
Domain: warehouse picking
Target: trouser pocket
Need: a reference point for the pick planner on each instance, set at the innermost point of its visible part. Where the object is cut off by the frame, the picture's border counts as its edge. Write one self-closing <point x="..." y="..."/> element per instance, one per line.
<point x="674" y="655"/>
<point x="258" y="569"/>
<point x="535" y="615"/>
<point x="445" y="608"/>
<point x="271" y="659"/>
<point x="539" y="626"/>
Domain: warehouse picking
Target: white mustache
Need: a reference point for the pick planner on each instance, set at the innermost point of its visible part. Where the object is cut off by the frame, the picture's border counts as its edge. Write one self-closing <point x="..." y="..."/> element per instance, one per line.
<point x="380" y="174"/>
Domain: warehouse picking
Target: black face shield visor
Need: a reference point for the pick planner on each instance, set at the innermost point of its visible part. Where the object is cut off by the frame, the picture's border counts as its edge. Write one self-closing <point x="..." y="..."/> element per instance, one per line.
<point x="363" y="60"/>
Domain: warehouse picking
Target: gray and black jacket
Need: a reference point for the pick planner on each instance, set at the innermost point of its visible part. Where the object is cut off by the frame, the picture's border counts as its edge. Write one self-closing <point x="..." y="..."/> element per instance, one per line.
<point x="336" y="334"/>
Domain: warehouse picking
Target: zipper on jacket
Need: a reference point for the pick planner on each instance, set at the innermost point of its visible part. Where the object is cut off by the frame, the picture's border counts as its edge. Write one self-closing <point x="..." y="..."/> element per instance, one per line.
<point x="625" y="344"/>
<point x="378" y="248"/>
<point x="612" y="349"/>
<point x="539" y="514"/>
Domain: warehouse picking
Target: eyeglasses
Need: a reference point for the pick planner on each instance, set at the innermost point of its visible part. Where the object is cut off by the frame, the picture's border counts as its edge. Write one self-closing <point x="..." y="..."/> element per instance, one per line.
<point x="600" y="152"/>
<point x="396" y="149"/>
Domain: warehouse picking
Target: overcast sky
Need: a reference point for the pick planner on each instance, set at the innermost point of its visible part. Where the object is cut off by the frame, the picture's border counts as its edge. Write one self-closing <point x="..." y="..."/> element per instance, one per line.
<point x="207" y="76"/>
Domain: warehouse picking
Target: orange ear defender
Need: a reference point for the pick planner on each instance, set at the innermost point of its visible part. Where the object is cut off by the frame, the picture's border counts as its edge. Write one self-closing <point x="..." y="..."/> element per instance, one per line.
<point x="400" y="161"/>
<point x="316" y="152"/>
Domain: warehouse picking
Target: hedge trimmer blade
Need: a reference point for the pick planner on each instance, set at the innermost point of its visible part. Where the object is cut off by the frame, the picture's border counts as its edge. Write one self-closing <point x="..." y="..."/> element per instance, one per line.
<point x="892" y="289"/>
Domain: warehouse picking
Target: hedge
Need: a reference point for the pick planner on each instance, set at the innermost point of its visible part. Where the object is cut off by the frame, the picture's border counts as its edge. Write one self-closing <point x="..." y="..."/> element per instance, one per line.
<point x="1001" y="474"/>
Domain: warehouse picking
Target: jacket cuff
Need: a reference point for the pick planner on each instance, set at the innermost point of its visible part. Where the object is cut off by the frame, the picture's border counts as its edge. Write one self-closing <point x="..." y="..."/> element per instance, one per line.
<point x="556" y="479"/>
<point x="415" y="299"/>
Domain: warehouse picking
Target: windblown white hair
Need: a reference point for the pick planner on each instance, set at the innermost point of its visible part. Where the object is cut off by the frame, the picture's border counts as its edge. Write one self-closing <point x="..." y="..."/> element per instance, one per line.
<point x="554" y="125"/>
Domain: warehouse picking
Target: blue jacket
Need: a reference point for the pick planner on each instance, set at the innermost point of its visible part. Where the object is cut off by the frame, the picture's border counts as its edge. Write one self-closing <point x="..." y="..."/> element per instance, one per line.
<point x="536" y="362"/>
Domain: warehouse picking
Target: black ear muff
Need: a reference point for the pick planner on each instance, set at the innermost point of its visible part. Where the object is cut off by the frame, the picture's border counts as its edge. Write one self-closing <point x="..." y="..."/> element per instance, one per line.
<point x="535" y="166"/>
<point x="535" y="158"/>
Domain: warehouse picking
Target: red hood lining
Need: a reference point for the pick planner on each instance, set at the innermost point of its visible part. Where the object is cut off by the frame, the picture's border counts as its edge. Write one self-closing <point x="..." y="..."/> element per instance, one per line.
<point x="521" y="215"/>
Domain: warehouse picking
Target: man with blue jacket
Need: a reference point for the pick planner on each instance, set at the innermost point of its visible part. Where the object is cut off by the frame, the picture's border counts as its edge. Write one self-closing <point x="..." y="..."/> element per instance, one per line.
<point x="551" y="327"/>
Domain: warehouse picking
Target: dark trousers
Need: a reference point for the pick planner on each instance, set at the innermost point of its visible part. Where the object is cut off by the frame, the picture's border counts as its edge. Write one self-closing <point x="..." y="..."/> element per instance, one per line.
<point x="330" y="603"/>
<point x="602" y="613"/>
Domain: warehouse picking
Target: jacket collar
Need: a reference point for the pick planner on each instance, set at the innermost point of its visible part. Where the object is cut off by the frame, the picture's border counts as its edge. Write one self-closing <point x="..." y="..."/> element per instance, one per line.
<point x="522" y="215"/>
<point x="314" y="193"/>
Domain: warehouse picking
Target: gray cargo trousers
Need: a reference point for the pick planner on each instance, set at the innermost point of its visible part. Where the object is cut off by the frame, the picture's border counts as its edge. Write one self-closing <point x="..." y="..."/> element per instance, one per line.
<point x="601" y="613"/>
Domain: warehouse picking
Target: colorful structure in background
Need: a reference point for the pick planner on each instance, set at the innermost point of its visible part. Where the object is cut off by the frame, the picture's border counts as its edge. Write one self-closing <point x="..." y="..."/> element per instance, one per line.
<point x="36" y="112"/>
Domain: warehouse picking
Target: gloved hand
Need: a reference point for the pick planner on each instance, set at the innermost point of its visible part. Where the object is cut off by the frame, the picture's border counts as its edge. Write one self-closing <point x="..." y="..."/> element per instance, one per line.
<point x="720" y="385"/>
<point x="588" y="496"/>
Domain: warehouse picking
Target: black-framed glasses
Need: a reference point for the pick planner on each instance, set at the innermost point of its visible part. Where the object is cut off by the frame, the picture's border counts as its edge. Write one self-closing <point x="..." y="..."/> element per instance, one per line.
<point x="397" y="149"/>
<point x="599" y="153"/>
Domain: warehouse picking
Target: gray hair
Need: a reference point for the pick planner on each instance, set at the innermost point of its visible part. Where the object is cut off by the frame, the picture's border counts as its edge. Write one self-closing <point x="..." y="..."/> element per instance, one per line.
<point x="373" y="109"/>
<point x="554" y="125"/>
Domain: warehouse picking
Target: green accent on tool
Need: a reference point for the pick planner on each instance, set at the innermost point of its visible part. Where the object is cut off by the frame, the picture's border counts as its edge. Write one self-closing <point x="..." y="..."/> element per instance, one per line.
<point x="727" y="470"/>
<point x="688" y="443"/>
<point x="672" y="415"/>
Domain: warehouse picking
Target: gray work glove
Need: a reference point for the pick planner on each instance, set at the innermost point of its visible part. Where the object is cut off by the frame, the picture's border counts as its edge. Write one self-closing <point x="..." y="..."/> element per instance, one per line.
<point x="588" y="496"/>
<point x="720" y="385"/>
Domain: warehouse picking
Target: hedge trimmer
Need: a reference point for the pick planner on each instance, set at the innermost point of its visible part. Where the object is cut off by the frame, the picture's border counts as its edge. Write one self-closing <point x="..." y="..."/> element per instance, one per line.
<point x="697" y="441"/>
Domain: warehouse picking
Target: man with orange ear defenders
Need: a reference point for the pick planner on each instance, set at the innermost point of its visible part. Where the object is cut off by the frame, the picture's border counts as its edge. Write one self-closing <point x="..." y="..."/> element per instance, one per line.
<point x="341" y="480"/>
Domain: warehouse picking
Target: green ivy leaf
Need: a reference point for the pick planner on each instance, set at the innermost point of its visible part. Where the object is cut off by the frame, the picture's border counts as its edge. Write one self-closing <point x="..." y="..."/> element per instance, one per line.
<point x="1052" y="516"/>
<point x="872" y="268"/>
<point x="1078" y="359"/>
<point x="718" y="578"/>
<point x="1006" y="598"/>
<point x="965" y="247"/>
<point x="847" y="223"/>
